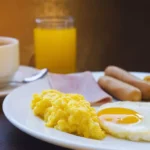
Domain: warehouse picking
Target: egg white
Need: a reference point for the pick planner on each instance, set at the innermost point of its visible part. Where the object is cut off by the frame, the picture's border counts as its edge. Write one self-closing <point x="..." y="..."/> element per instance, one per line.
<point x="139" y="131"/>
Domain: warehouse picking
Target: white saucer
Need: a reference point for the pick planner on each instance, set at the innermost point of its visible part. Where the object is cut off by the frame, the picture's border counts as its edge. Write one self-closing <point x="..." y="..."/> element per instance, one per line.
<point x="23" y="71"/>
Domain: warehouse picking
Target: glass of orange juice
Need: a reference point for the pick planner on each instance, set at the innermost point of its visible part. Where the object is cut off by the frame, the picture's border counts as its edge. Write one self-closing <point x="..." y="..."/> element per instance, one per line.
<point x="55" y="44"/>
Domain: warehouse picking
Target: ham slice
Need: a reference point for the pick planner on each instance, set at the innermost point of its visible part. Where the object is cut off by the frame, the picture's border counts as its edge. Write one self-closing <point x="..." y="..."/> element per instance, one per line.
<point x="80" y="83"/>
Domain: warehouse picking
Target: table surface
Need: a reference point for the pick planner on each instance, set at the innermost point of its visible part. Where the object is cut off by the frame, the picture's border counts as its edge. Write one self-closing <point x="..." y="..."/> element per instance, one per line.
<point x="12" y="138"/>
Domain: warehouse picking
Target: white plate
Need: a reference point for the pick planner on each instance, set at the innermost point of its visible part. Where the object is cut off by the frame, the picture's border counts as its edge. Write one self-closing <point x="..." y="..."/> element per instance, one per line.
<point x="23" y="71"/>
<point x="17" y="109"/>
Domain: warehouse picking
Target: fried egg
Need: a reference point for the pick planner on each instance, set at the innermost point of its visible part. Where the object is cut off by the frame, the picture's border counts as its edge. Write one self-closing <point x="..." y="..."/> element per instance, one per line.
<point x="128" y="120"/>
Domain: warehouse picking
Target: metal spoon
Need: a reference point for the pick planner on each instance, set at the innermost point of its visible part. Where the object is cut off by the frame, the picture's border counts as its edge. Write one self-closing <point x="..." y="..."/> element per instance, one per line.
<point x="34" y="77"/>
<point x="37" y="76"/>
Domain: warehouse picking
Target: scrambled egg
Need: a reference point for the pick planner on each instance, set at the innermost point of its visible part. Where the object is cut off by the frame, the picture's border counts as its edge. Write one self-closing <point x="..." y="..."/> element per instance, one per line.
<point x="67" y="112"/>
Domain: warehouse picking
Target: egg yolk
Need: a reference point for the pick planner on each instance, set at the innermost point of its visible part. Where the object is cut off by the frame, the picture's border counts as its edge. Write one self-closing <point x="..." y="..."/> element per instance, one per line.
<point x="120" y="115"/>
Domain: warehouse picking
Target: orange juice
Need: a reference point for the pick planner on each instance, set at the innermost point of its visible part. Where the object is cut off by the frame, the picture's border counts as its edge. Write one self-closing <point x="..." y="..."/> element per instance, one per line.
<point x="55" y="49"/>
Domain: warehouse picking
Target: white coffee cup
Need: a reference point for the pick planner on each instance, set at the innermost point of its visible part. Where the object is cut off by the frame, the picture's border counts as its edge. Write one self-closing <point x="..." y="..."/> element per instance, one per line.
<point x="9" y="59"/>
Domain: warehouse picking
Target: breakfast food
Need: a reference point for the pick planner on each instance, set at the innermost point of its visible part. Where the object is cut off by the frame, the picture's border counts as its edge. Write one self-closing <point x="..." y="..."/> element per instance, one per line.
<point x="67" y="112"/>
<point x="119" y="89"/>
<point x="147" y="78"/>
<point x="128" y="120"/>
<point x="81" y="83"/>
<point x="126" y="77"/>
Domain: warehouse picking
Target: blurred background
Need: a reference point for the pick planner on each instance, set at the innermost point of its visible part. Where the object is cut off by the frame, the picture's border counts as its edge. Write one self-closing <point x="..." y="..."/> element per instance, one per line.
<point x="109" y="32"/>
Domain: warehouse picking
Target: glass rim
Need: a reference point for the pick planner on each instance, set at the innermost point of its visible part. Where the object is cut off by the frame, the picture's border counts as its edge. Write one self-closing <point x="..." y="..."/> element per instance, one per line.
<point x="54" y="19"/>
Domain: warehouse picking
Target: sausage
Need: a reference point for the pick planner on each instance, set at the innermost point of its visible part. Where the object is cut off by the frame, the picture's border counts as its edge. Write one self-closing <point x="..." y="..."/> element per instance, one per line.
<point x="119" y="89"/>
<point x="124" y="76"/>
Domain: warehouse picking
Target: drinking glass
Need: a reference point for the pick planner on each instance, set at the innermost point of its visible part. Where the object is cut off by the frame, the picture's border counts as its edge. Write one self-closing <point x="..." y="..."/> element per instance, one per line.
<point x="55" y="44"/>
